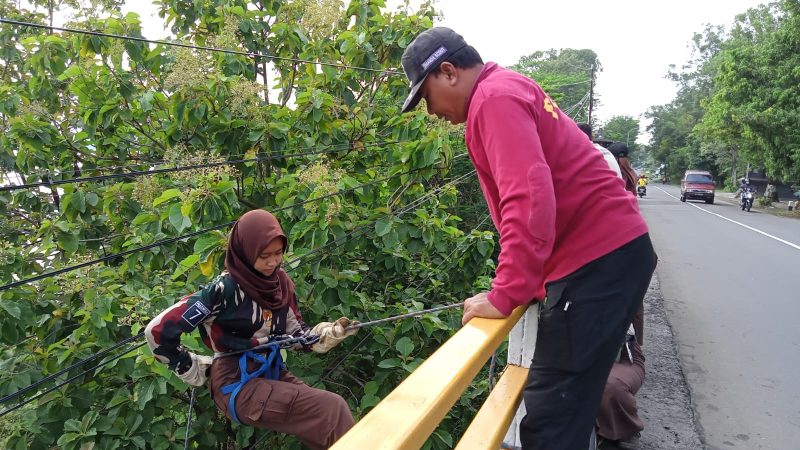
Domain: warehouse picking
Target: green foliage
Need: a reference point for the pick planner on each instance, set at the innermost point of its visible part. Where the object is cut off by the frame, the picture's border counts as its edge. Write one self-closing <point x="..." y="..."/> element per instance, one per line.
<point x="623" y="129"/>
<point x="565" y="75"/>
<point x="75" y="105"/>
<point x="738" y="99"/>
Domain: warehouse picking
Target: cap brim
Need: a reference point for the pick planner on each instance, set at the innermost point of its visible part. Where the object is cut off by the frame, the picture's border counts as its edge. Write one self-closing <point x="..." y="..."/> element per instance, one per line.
<point x="414" y="96"/>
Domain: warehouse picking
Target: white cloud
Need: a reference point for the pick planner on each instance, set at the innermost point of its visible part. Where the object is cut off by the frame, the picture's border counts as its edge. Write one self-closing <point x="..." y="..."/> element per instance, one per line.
<point x="636" y="41"/>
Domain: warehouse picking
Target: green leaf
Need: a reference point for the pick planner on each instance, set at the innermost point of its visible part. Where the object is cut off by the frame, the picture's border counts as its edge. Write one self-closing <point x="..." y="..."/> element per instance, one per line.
<point x="186" y="208"/>
<point x="145" y="389"/>
<point x="206" y="242"/>
<point x="445" y="437"/>
<point x="73" y="426"/>
<point x="383" y="226"/>
<point x="79" y="201"/>
<point x="185" y="265"/>
<point x="166" y="196"/>
<point x="143" y="218"/>
<point x="72" y="71"/>
<point x="368" y="401"/>
<point x="389" y="363"/>
<point x="404" y="346"/>
<point x="177" y="219"/>
<point x="92" y="199"/>
<point x="11" y="308"/>
<point x="68" y="242"/>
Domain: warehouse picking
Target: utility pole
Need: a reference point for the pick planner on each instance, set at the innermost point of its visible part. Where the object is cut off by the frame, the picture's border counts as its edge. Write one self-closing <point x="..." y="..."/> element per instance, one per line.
<point x="591" y="96"/>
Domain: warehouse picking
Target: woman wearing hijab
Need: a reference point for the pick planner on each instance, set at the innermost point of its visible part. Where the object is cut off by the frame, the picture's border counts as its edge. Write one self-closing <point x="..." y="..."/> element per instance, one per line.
<point x="620" y="151"/>
<point x="618" y="416"/>
<point x="246" y="306"/>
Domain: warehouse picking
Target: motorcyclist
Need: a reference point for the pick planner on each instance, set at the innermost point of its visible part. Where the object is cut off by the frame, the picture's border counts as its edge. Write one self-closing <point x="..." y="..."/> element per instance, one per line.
<point x="744" y="183"/>
<point x="642" y="180"/>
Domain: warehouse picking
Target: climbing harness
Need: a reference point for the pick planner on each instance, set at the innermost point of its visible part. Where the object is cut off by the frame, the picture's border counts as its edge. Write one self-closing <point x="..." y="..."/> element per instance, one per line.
<point x="269" y="356"/>
<point x="270" y="369"/>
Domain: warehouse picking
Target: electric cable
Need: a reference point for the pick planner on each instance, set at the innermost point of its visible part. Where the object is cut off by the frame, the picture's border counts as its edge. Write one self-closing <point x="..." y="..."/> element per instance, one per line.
<point x="198" y="47"/>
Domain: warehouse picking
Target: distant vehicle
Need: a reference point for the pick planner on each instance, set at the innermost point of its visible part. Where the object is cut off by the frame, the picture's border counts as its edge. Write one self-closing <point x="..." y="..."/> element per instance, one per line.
<point x="746" y="200"/>
<point x="697" y="185"/>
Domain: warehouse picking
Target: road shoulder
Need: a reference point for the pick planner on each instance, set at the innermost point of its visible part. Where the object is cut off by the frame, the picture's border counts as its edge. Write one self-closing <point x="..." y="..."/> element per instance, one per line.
<point x="664" y="400"/>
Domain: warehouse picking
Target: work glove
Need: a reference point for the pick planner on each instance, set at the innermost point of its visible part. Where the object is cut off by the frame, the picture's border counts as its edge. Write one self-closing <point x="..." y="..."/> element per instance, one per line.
<point x="195" y="375"/>
<point x="332" y="333"/>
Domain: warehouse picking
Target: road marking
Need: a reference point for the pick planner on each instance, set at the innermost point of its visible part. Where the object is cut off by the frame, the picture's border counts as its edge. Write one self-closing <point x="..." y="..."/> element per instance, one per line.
<point x="782" y="241"/>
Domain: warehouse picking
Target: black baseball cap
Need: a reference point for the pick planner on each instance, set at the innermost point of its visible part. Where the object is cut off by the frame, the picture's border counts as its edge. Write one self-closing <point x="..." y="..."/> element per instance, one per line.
<point x="424" y="54"/>
<point x="618" y="149"/>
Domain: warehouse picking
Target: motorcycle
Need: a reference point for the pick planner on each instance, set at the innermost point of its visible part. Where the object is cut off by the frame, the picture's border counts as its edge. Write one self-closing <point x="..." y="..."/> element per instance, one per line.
<point x="746" y="199"/>
<point x="641" y="191"/>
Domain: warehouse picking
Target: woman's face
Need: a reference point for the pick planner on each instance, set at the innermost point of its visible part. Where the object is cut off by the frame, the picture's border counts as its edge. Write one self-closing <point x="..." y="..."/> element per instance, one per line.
<point x="270" y="257"/>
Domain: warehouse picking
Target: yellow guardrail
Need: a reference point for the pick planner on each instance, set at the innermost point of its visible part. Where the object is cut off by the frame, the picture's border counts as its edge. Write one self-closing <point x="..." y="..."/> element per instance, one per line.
<point x="489" y="426"/>
<point x="406" y="417"/>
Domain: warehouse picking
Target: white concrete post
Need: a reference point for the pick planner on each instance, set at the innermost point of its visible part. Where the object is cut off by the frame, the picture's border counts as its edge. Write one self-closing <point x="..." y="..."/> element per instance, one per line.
<point x="521" y="343"/>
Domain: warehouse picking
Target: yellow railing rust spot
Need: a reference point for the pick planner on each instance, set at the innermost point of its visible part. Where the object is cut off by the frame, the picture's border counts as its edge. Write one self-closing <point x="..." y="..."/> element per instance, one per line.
<point x="490" y="424"/>
<point x="411" y="412"/>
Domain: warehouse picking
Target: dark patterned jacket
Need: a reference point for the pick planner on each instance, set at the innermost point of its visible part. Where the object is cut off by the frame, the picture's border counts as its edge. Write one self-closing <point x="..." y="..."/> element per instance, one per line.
<point x="228" y="319"/>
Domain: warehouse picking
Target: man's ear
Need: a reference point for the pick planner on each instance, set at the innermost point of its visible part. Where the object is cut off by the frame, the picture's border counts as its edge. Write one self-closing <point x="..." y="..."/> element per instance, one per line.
<point x="449" y="70"/>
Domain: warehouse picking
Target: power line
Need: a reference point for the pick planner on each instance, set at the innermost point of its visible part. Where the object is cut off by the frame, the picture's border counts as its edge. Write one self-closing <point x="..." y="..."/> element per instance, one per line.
<point x="144" y="162"/>
<point x="186" y="236"/>
<point x="140" y="335"/>
<point x="68" y="380"/>
<point x="199" y="47"/>
<point x="176" y="168"/>
<point x="569" y="84"/>
<point x="72" y="366"/>
<point x="305" y="258"/>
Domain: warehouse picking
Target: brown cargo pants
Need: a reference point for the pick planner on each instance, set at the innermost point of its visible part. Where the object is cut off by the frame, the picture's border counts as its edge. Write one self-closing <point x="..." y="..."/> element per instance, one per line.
<point x="317" y="417"/>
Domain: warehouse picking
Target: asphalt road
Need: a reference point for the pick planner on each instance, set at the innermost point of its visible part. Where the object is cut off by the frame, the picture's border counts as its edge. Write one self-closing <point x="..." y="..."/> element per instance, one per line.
<point x="730" y="285"/>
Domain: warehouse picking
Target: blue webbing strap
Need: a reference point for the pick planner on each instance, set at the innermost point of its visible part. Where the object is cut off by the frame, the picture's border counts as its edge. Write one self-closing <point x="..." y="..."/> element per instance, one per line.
<point x="270" y="369"/>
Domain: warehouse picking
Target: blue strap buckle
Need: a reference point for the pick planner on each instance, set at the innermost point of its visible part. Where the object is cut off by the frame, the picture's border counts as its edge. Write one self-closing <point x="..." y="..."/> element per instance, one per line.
<point x="271" y="365"/>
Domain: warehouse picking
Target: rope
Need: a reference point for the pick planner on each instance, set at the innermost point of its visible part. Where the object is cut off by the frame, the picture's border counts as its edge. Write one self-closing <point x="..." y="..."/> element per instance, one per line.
<point x="492" y="363"/>
<point x="404" y="316"/>
<point x="189" y="420"/>
<point x="199" y="47"/>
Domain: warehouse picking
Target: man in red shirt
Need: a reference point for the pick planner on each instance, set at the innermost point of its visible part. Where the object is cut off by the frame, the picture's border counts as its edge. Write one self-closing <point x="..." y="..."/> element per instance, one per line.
<point x="570" y="235"/>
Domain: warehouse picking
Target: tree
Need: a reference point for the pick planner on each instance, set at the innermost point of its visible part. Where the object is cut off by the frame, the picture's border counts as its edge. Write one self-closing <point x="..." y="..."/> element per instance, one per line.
<point x="565" y="75"/>
<point x="737" y="99"/>
<point x="623" y="129"/>
<point x="755" y="102"/>
<point x="363" y="192"/>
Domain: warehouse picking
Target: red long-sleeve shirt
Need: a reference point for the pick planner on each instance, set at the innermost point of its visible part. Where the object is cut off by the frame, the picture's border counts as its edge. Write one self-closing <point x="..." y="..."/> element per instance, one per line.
<point x="552" y="197"/>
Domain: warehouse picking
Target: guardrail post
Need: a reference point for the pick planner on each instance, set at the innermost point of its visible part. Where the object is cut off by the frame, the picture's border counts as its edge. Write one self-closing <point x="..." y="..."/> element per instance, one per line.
<point x="521" y="344"/>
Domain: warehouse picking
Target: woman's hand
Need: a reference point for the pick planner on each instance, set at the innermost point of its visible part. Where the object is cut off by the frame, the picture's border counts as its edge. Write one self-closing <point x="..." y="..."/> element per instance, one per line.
<point x="332" y="333"/>
<point x="479" y="306"/>
<point x="195" y="375"/>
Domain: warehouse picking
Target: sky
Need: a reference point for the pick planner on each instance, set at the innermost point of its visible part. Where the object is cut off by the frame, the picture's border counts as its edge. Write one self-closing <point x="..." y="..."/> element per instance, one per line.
<point x="635" y="40"/>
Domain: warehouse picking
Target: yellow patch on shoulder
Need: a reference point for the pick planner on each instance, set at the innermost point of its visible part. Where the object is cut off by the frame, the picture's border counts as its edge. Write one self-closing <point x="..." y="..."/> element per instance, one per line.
<point x="550" y="106"/>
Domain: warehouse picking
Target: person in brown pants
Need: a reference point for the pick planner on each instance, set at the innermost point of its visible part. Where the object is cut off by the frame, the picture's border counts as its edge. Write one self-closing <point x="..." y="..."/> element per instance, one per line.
<point x="617" y="417"/>
<point x="287" y="405"/>
<point x="249" y="305"/>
